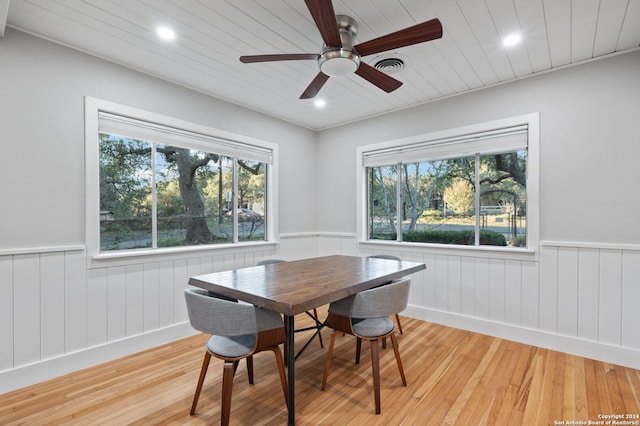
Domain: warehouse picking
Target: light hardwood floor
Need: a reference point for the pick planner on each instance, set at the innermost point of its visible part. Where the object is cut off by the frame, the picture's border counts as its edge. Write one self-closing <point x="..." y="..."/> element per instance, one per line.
<point x="454" y="377"/>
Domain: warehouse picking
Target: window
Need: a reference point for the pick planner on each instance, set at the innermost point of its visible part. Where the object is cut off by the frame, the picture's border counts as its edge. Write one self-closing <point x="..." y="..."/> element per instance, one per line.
<point x="173" y="184"/>
<point x="466" y="187"/>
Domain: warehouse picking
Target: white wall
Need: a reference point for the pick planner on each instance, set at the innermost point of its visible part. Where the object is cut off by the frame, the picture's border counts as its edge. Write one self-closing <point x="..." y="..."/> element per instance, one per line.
<point x="579" y="293"/>
<point x="42" y="87"/>
<point x="56" y="315"/>
<point x="589" y="146"/>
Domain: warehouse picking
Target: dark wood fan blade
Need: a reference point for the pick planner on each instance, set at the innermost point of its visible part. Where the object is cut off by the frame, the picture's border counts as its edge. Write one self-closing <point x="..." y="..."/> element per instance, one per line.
<point x="325" y="18"/>
<point x="420" y="33"/>
<point x="282" y="57"/>
<point x="315" y="86"/>
<point x="378" y="78"/>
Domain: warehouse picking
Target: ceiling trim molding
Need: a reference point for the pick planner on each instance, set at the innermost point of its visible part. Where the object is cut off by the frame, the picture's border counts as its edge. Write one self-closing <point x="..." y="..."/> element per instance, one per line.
<point x="4" y="13"/>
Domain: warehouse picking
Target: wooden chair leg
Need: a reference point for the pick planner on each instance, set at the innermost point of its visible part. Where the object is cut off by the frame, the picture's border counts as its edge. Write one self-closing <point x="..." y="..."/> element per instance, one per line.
<point x="358" y="349"/>
<point x="399" y="324"/>
<point x="283" y="379"/>
<point x="375" y="366"/>
<point x="328" y="364"/>
<point x="203" y="373"/>
<point x="398" y="360"/>
<point x="315" y="314"/>
<point x="227" y="388"/>
<point x="250" y="368"/>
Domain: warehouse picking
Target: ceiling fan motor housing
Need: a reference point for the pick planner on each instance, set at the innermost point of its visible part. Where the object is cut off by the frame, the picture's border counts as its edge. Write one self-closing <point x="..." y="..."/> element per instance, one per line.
<point x="339" y="61"/>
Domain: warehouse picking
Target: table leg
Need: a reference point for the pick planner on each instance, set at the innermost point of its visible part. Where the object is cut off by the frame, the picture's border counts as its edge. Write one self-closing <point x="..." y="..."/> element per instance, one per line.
<point x="291" y="383"/>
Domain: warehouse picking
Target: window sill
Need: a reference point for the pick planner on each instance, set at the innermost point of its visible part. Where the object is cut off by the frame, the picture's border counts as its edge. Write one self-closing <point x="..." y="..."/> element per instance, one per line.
<point x="118" y="258"/>
<point x="491" y="252"/>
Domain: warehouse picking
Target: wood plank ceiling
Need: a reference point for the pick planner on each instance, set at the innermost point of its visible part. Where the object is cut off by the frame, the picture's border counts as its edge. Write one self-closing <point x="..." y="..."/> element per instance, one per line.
<point x="211" y="35"/>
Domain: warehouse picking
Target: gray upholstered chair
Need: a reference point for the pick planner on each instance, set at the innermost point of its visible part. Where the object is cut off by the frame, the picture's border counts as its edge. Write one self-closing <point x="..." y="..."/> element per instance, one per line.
<point x="390" y="257"/>
<point x="269" y="261"/>
<point x="315" y="311"/>
<point x="238" y="331"/>
<point x="365" y="315"/>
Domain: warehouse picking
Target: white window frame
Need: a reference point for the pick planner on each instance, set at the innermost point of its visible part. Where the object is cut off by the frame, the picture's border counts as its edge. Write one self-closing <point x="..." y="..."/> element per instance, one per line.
<point x="533" y="192"/>
<point x="93" y="108"/>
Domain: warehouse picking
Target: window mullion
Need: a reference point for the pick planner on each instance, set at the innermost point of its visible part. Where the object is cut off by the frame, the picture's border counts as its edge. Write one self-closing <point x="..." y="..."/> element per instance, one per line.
<point x="399" y="203"/>
<point x="477" y="199"/>
<point x="234" y="197"/>
<point x="154" y="199"/>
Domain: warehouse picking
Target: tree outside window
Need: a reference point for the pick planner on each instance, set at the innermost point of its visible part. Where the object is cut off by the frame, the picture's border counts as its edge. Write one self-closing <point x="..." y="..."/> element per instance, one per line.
<point x="471" y="200"/>
<point x="158" y="195"/>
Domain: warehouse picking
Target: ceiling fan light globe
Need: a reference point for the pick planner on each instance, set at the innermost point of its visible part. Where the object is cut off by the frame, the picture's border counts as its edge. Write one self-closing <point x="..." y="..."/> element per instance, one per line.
<point x="336" y="63"/>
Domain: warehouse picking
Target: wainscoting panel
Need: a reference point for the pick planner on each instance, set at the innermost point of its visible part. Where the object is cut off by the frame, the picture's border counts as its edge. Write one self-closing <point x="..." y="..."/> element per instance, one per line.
<point x="151" y="292"/>
<point x="52" y="279"/>
<point x="548" y="285"/>
<point x="344" y="244"/>
<point x="296" y="247"/>
<point x="482" y="284"/>
<point x="116" y="300"/>
<point x="567" y="274"/>
<point x="530" y="302"/>
<point x="575" y="297"/>
<point x="97" y="307"/>
<point x="58" y="315"/>
<point x="6" y="313"/>
<point x="75" y="301"/>
<point x="27" y="309"/>
<point x="610" y="312"/>
<point x="513" y="292"/>
<point x="631" y="299"/>
<point x="588" y="293"/>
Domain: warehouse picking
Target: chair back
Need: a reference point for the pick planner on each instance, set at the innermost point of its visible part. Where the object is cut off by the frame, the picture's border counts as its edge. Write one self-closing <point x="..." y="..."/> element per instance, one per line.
<point x="383" y="256"/>
<point x="209" y="314"/>
<point x="269" y="261"/>
<point x="383" y="301"/>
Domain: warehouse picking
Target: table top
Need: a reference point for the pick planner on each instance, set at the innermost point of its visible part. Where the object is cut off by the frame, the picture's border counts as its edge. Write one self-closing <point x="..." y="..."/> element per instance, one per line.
<point x="297" y="286"/>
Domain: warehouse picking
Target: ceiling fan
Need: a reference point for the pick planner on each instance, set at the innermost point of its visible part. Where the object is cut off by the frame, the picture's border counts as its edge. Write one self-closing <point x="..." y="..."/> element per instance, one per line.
<point x="340" y="57"/>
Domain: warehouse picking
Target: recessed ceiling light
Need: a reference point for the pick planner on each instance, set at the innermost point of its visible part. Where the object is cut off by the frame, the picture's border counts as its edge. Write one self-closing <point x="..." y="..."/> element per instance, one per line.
<point x="319" y="103"/>
<point x="165" y="33"/>
<point x="511" y="40"/>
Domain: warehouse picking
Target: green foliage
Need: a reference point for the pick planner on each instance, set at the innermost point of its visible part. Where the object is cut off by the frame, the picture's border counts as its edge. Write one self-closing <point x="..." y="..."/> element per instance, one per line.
<point x="390" y="236"/>
<point x="171" y="242"/>
<point x="432" y="213"/>
<point x="443" y="192"/>
<point x="190" y="198"/>
<point x="519" y="241"/>
<point x="124" y="176"/>
<point x="463" y="237"/>
<point x="382" y="192"/>
<point x="460" y="196"/>
<point x="169" y="200"/>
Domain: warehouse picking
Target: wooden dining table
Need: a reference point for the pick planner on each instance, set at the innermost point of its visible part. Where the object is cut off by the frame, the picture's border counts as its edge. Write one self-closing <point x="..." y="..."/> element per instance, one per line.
<point x="298" y="286"/>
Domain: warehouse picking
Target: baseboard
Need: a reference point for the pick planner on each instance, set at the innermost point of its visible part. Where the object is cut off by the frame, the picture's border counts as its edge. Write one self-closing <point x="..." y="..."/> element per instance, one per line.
<point x="27" y="375"/>
<point x="627" y="357"/>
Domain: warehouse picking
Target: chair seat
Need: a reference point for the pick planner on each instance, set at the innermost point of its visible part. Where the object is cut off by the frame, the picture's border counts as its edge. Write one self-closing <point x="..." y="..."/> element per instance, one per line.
<point x="372" y="327"/>
<point x="232" y="346"/>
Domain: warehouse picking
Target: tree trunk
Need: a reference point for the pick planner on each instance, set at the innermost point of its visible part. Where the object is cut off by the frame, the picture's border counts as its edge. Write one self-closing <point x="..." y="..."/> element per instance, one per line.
<point x="197" y="230"/>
